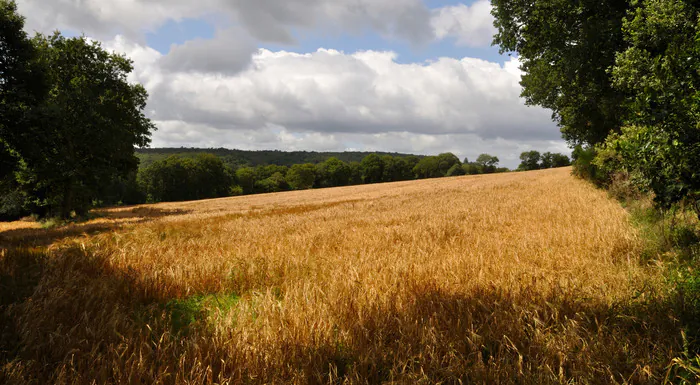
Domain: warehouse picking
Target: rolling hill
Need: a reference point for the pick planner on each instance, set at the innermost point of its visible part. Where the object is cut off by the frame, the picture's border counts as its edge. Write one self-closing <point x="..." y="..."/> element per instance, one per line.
<point x="529" y="278"/>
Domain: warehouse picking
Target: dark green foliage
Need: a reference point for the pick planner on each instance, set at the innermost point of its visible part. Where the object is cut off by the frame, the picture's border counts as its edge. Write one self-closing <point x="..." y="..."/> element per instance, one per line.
<point x="178" y="179"/>
<point x="12" y="197"/>
<point x="84" y="132"/>
<point x="23" y="86"/>
<point x="456" y="170"/>
<point x="213" y="177"/>
<point x="661" y="164"/>
<point x="472" y="168"/>
<point x="586" y="168"/>
<point x="69" y="122"/>
<point x="265" y="179"/>
<point x="546" y="160"/>
<point x="122" y="190"/>
<point x="12" y="204"/>
<point x="392" y="169"/>
<point x="553" y="160"/>
<point x="240" y="158"/>
<point x="684" y="237"/>
<point x="409" y="163"/>
<point x="332" y="173"/>
<point x="427" y="167"/>
<point x="372" y="168"/>
<point x="301" y="176"/>
<point x="355" y="173"/>
<point x="274" y="183"/>
<point x="487" y="163"/>
<point x="245" y="177"/>
<point x="530" y="160"/>
<point x="446" y="164"/>
<point x="446" y="161"/>
<point x="266" y="171"/>
<point x="661" y="72"/>
<point x="398" y="168"/>
<point x="628" y="71"/>
<point x="566" y="49"/>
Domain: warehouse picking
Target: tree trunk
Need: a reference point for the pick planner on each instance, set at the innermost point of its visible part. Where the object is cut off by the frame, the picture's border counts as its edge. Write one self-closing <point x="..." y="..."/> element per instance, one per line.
<point x="67" y="204"/>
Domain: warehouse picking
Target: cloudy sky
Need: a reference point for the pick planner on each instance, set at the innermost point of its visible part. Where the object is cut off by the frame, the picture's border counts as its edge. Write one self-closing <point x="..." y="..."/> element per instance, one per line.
<point x="417" y="76"/>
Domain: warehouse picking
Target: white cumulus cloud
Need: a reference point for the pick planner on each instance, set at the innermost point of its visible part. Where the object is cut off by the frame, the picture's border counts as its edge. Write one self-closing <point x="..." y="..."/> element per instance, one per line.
<point x="469" y="25"/>
<point x="267" y="20"/>
<point x="225" y="92"/>
<point x="329" y="99"/>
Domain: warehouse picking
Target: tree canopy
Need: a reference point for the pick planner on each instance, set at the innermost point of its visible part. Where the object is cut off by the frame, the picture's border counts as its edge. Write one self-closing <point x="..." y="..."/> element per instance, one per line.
<point x="530" y="160"/>
<point x="69" y="118"/>
<point x="22" y="87"/>
<point x="622" y="79"/>
<point x="488" y="163"/>
<point x="533" y="160"/>
<point x="566" y="49"/>
<point x="372" y="167"/>
<point x="301" y="176"/>
<point x="660" y="71"/>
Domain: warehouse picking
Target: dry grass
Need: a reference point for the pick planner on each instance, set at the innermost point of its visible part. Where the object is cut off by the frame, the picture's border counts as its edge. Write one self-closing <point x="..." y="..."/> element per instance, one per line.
<point x="527" y="278"/>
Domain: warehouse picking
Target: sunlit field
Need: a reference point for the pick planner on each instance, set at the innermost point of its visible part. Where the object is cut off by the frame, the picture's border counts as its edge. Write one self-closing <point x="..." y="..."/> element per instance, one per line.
<point x="528" y="278"/>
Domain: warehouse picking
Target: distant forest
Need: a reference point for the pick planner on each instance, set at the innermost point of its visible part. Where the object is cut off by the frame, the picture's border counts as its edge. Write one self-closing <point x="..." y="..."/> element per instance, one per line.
<point x="242" y="158"/>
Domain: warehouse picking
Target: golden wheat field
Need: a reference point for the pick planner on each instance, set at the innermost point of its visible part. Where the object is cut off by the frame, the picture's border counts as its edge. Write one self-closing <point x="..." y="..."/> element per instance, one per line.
<point x="523" y="278"/>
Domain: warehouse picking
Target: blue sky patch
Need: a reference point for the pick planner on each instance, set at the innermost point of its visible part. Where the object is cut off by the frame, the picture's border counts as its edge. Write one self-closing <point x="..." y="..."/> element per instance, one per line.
<point x="178" y="32"/>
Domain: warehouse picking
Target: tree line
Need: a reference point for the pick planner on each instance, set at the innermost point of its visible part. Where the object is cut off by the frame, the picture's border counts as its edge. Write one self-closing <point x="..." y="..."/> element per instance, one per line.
<point x="622" y="78"/>
<point x="533" y="160"/>
<point x="205" y="175"/>
<point x="235" y="158"/>
<point x="177" y="178"/>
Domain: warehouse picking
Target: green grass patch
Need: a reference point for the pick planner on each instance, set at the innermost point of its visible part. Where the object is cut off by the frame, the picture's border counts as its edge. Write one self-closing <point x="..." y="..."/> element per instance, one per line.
<point x="650" y="224"/>
<point x="673" y="237"/>
<point x="187" y="312"/>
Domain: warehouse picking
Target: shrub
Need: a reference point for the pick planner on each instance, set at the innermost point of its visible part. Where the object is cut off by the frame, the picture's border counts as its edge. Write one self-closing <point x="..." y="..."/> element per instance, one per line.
<point x="583" y="163"/>
<point x="456" y="170"/>
<point x="12" y="205"/>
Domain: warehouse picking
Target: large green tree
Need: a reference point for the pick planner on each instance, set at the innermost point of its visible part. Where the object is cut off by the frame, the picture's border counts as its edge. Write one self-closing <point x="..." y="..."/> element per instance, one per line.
<point x="456" y="170"/>
<point x="661" y="72"/>
<point x="301" y="176"/>
<point x="530" y="160"/>
<point x="488" y="163"/>
<point x="446" y="161"/>
<point x="178" y="178"/>
<point x="274" y="183"/>
<point x="427" y="167"/>
<point x="332" y="173"/>
<point x="355" y="173"/>
<point x="213" y="179"/>
<point x="246" y="178"/>
<point x="23" y="87"/>
<point x="85" y="132"/>
<point x="554" y="160"/>
<point x="372" y="168"/>
<point x="567" y="49"/>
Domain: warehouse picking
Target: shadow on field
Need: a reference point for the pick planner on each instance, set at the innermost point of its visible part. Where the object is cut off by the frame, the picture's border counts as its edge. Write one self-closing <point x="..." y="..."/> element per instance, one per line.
<point x="108" y="221"/>
<point x="496" y="337"/>
<point x="64" y="312"/>
<point x="141" y="212"/>
<point x="74" y="318"/>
